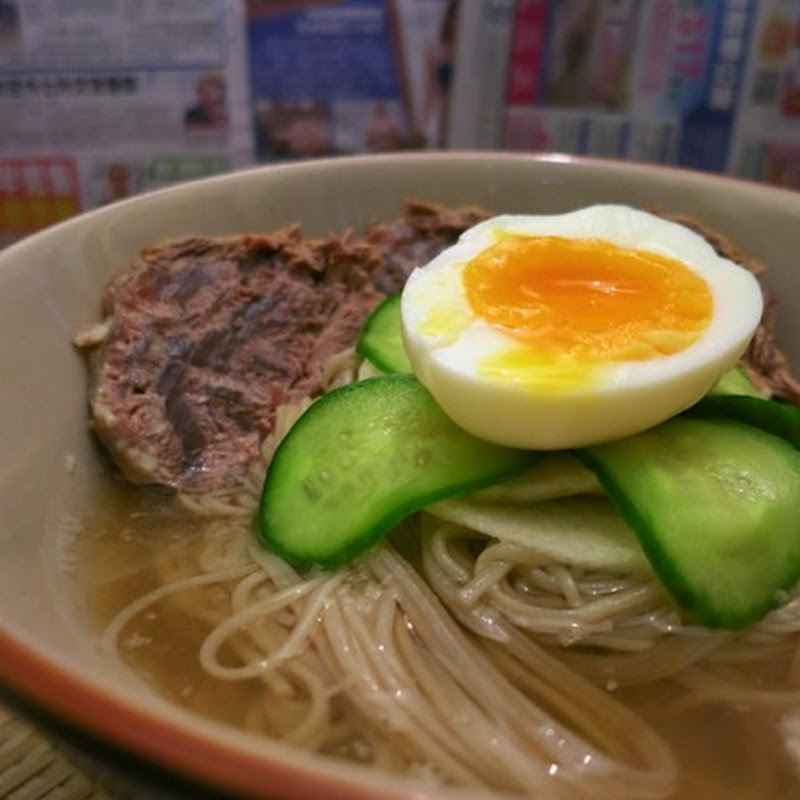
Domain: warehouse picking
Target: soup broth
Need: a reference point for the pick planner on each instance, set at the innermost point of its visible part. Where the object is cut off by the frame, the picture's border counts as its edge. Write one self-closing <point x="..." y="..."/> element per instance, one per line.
<point x="723" y="715"/>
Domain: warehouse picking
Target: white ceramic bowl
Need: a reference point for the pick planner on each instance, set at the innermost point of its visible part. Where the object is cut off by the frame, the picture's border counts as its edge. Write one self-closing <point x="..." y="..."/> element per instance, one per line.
<point x="51" y="282"/>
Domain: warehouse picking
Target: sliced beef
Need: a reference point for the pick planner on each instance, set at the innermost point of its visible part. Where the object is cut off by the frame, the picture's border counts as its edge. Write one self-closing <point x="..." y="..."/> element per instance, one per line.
<point x="423" y="232"/>
<point x="767" y="364"/>
<point x="764" y="361"/>
<point x="203" y="338"/>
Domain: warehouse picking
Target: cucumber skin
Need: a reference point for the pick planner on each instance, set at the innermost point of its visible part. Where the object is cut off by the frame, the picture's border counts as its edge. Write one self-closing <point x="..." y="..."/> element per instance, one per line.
<point x="772" y="416"/>
<point x="381" y="342"/>
<point x="297" y="459"/>
<point x="698" y="598"/>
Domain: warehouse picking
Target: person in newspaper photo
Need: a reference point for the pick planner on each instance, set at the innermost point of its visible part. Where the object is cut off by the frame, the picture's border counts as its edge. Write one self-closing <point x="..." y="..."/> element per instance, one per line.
<point x="289" y="129"/>
<point x="384" y="133"/>
<point x="118" y="181"/>
<point x="209" y="109"/>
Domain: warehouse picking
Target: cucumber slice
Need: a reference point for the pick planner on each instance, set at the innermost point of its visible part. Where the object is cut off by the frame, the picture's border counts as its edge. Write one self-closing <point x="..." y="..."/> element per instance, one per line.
<point x="714" y="504"/>
<point x="735" y="381"/>
<point x="555" y="474"/>
<point x="381" y="342"/>
<point x="772" y="416"/>
<point x="360" y="460"/>
<point x="584" y="531"/>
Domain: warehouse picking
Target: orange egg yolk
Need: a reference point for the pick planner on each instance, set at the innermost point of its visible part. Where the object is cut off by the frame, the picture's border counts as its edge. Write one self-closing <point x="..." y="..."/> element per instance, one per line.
<point x="585" y="301"/>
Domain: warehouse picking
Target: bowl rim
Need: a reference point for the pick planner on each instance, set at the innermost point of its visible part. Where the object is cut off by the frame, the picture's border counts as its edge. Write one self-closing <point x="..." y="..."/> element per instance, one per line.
<point x="179" y="740"/>
<point x="366" y="160"/>
<point x="197" y="750"/>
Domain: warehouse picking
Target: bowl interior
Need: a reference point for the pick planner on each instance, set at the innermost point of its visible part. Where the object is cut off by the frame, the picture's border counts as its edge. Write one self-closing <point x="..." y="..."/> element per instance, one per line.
<point x="51" y="283"/>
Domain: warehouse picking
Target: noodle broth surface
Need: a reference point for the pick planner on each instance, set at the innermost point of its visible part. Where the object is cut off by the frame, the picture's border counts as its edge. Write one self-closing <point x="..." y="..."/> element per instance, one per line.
<point x="719" y="715"/>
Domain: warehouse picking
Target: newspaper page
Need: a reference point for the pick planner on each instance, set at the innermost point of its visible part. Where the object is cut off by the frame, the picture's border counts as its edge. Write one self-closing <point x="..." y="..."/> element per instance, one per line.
<point x="767" y="140"/>
<point x="100" y="99"/>
<point x="427" y="34"/>
<point x="481" y="47"/>
<point x="331" y="78"/>
<point x="655" y="81"/>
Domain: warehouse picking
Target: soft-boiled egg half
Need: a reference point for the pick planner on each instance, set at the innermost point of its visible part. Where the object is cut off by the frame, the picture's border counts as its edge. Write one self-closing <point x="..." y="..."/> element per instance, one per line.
<point x="557" y="331"/>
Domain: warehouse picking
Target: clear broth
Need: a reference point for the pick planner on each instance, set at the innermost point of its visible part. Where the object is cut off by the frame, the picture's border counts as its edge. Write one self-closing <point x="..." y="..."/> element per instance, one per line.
<point x="723" y="751"/>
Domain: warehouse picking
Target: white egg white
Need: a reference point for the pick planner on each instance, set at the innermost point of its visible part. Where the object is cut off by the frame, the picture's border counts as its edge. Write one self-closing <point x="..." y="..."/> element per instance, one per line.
<point x="446" y="343"/>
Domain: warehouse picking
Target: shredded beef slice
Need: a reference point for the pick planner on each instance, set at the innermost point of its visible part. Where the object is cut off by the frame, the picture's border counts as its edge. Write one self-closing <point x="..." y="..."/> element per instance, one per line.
<point x="208" y="336"/>
<point x="763" y="361"/>
<point x="423" y="232"/>
<point x="204" y="337"/>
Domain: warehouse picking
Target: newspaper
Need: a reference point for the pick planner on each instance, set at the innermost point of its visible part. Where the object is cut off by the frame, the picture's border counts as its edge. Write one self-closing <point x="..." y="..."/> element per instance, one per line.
<point x="100" y="99"/>
<point x="652" y="81"/>
<point x="767" y="140"/>
<point x="481" y="61"/>
<point x="347" y="77"/>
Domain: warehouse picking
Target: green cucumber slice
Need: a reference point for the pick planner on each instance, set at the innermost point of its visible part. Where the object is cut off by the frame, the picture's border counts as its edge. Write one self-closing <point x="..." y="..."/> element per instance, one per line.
<point x="714" y="504"/>
<point x="363" y="458"/>
<point x="772" y="416"/>
<point x="735" y="381"/>
<point x="381" y="342"/>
